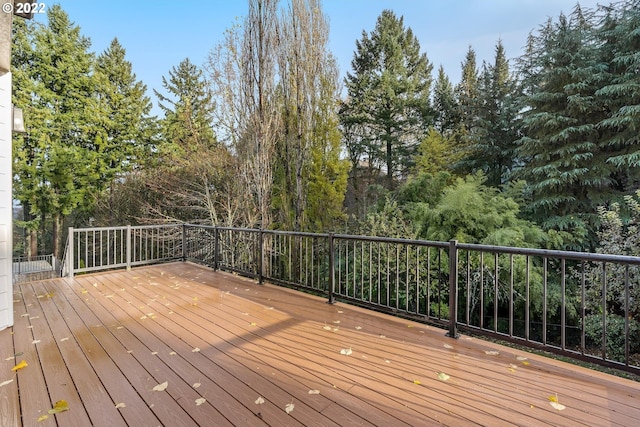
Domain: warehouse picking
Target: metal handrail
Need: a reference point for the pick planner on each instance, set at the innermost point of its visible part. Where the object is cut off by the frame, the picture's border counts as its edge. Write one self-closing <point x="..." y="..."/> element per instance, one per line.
<point x="537" y="297"/>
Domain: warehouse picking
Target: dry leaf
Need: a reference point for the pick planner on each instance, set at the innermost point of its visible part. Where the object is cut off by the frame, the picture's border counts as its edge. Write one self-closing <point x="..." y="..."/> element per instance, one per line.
<point x="253" y="324"/>
<point x="337" y="322"/>
<point x="173" y="353"/>
<point x="200" y="401"/>
<point x="64" y="339"/>
<point x="4" y="383"/>
<point x="60" y="406"/>
<point x="326" y="327"/>
<point x="161" y="387"/>
<point x="417" y="382"/>
<point x="443" y="377"/>
<point x="121" y="405"/>
<point x="42" y="417"/>
<point x="557" y="406"/>
<point x="196" y="385"/>
<point x="259" y="400"/>
<point x="358" y="328"/>
<point x="195" y="350"/>
<point x="20" y="365"/>
<point x="289" y="407"/>
<point x="35" y="341"/>
<point x="553" y="401"/>
<point x="314" y="391"/>
<point x="492" y="352"/>
<point x="346" y="351"/>
<point x="448" y="346"/>
<point x="521" y="358"/>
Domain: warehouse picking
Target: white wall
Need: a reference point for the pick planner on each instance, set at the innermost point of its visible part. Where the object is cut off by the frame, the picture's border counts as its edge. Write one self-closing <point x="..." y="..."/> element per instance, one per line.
<point x="6" y="204"/>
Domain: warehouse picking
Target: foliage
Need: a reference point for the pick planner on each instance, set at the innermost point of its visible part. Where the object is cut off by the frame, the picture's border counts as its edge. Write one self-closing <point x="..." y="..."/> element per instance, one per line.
<point x="387" y="109"/>
<point x="580" y="117"/>
<point x="490" y="146"/>
<point x="615" y="348"/>
<point x="471" y="212"/>
<point x="56" y="164"/>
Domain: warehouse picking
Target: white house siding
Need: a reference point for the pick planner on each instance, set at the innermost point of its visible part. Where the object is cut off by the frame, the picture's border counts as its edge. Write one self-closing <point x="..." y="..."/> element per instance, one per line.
<point x="6" y="211"/>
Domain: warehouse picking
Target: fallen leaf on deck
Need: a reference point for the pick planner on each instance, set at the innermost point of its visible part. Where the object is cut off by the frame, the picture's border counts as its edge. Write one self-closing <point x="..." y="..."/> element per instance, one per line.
<point x="259" y="400"/>
<point x="195" y="350"/>
<point x="42" y="418"/>
<point x="173" y="353"/>
<point x="336" y="322"/>
<point x="4" y="383"/>
<point x="449" y="346"/>
<point x="417" y="382"/>
<point x="521" y="358"/>
<point x="525" y="363"/>
<point x="121" y="405"/>
<point x="60" y="406"/>
<point x="35" y="341"/>
<point x="346" y="351"/>
<point x="492" y="352"/>
<point x="253" y="324"/>
<point x="340" y="311"/>
<point x="20" y="365"/>
<point x="154" y="353"/>
<point x="161" y="387"/>
<point x="289" y="407"/>
<point x="383" y="336"/>
<point x="314" y="391"/>
<point x="196" y="385"/>
<point x="443" y="377"/>
<point x="553" y="401"/>
<point x="200" y="401"/>
<point x="358" y="328"/>
<point x="64" y="339"/>
<point x="326" y="327"/>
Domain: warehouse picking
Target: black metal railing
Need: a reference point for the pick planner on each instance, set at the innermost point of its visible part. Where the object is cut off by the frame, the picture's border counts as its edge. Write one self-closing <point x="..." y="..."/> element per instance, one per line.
<point x="582" y="305"/>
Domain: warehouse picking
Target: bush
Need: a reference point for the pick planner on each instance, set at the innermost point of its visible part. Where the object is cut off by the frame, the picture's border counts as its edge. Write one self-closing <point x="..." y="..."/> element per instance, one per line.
<point x="615" y="336"/>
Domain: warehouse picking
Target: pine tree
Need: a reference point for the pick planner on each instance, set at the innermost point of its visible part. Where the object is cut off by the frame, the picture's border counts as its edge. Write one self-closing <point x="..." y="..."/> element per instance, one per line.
<point x="467" y="103"/>
<point x="491" y="146"/>
<point x="388" y="97"/>
<point x="188" y="109"/>
<point x="444" y="104"/>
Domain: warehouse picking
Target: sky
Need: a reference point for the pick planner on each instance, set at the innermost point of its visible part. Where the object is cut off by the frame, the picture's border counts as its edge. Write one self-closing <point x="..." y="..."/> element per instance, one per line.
<point x="159" y="34"/>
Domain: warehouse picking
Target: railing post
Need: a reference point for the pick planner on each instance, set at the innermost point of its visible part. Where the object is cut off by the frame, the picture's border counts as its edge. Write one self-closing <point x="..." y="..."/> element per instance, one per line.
<point x="453" y="289"/>
<point x="128" y="247"/>
<point x="184" y="242"/>
<point x="216" y="247"/>
<point x="332" y="271"/>
<point x="260" y="256"/>
<point x="71" y="257"/>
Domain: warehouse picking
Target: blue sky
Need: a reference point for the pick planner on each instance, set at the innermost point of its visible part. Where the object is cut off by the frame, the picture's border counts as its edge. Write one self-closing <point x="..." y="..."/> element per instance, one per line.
<point x="158" y="34"/>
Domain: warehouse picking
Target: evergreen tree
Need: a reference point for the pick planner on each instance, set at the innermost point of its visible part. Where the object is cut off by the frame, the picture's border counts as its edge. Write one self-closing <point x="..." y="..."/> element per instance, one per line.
<point x="467" y="103"/>
<point x="188" y="109"/>
<point x="444" y="104"/>
<point x="563" y="162"/>
<point x="619" y="51"/>
<point x="55" y="161"/>
<point x="388" y="97"/>
<point x="491" y="146"/>
<point x="123" y="129"/>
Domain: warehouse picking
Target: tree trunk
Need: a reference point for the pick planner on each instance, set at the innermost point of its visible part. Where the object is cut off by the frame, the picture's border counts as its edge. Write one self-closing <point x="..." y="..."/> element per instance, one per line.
<point x="57" y="220"/>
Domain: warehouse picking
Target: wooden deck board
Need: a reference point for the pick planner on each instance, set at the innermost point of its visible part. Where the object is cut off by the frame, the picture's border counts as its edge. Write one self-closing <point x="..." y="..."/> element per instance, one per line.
<point x="110" y="338"/>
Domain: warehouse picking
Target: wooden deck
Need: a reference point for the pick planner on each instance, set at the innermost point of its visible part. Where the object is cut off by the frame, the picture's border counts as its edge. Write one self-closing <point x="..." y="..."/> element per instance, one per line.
<point x="102" y="342"/>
